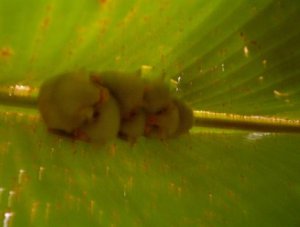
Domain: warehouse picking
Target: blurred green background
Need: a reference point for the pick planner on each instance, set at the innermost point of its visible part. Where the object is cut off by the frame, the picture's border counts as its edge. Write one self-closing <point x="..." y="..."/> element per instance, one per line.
<point x="238" y="56"/>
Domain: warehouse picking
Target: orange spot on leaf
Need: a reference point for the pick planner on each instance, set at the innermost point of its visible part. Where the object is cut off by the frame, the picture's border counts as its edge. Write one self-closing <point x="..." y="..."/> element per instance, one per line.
<point x="45" y="23"/>
<point x="6" y="52"/>
<point x="102" y="1"/>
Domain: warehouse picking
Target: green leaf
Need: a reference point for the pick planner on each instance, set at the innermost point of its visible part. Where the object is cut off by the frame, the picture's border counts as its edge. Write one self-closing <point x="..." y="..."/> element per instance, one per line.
<point x="234" y="57"/>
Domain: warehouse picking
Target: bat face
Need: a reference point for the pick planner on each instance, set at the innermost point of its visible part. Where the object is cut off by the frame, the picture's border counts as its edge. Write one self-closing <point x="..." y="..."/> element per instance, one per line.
<point x="133" y="127"/>
<point x="106" y="124"/>
<point x="163" y="124"/>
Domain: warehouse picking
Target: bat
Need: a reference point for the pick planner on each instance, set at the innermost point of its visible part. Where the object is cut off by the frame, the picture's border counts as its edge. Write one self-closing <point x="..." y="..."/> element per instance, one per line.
<point x="127" y="88"/>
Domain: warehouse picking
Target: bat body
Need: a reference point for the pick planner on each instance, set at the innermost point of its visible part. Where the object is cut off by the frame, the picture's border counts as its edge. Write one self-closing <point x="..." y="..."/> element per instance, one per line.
<point x="66" y="101"/>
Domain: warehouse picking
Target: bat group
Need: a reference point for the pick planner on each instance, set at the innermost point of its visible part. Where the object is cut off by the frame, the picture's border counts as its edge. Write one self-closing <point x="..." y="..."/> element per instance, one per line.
<point x="98" y="107"/>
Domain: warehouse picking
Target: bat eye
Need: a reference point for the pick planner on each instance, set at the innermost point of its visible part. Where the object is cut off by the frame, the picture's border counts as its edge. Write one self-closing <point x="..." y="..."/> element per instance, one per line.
<point x="96" y="114"/>
<point x="161" y="111"/>
<point x="164" y="109"/>
<point x="156" y="127"/>
<point x="132" y="114"/>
